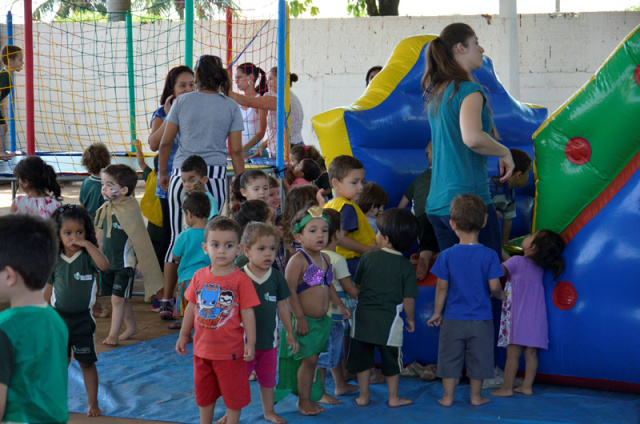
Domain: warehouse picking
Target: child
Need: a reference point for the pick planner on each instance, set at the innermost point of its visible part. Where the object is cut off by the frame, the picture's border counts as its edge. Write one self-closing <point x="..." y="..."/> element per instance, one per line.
<point x="305" y="172"/>
<point x="12" y="61"/>
<point x="372" y="202"/>
<point x="346" y="174"/>
<point x="253" y="210"/>
<point x="275" y="199"/>
<point x="309" y="275"/>
<point x="187" y="251"/>
<point x="259" y="242"/>
<point x="150" y="203"/>
<point x="193" y="176"/>
<point x="221" y="300"/>
<point x="95" y="158"/>
<point x="386" y="284"/>
<point x="503" y="194"/>
<point x="296" y="155"/>
<point x="72" y="288"/>
<point x="120" y="225"/>
<point x="524" y="313"/>
<point x="333" y="358"/>
<point x="418" y="192"/>
<point x="38" y="180"/>
<point x="33" y="337"/>
<point x="252" y="184"/>
<point x="468" y="274"/>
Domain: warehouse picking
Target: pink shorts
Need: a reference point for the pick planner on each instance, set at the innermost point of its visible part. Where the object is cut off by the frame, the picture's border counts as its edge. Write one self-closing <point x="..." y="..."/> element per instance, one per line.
<point x="264" y="363"/>
<point x="226" y="378"/>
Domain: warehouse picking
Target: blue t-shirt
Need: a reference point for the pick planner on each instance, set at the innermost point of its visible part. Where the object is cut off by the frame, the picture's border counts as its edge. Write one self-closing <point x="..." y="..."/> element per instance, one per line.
<point x="160" y="113"/>
<point x="188" y="248"/>
<point x="468" y="269"/>
<point x="503" y="198"/>
<point x="456" y="168"/>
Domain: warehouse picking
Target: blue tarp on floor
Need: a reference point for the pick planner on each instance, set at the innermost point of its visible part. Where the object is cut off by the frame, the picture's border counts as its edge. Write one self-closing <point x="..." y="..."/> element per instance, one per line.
<point x="149" y="381"/>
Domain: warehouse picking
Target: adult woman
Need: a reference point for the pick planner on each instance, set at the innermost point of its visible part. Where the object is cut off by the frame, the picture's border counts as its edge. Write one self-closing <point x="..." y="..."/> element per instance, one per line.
<point x="251" y="80"/>
<point x="460" y="125"/>
<point x="269" y="102"/>
<point x="205" y="118"/>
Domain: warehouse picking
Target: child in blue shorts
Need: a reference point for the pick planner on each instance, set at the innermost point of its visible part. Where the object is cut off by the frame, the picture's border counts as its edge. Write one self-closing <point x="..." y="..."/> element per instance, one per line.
<point x="468" y="275"/>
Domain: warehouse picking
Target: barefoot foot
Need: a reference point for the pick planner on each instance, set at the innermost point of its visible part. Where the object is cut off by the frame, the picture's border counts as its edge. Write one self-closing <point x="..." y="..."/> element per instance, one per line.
<point x="363" y="401"/>
<point x="446" y="401"/>
<point x="348" y="388"/>
<point x="397" y="402"/>
<point x="306" y="407"/>
<point x="327" y="399"/>
<point x="377" y="377"/>
<point x="272" y="417"/>
<point x="110" y="341"/>
<point x="94" y="411"/>
<point x="524" y="391"/>
<point x="128" y="333"/>
<point x="502" y="392"/>
<point x="481" y="400"/>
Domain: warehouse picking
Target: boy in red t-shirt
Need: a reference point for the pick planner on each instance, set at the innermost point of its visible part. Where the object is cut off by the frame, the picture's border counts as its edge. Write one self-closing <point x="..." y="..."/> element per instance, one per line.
<point x="221" y="298"/>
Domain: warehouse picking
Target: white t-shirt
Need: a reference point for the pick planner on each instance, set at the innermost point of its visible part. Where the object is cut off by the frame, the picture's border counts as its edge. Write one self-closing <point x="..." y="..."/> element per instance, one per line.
<point x="296" y="120"/>
<point x="251" y="118"/>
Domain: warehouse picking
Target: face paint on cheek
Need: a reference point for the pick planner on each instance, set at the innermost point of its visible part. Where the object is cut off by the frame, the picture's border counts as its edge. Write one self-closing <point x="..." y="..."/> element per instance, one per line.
<point x="198" y="186"/>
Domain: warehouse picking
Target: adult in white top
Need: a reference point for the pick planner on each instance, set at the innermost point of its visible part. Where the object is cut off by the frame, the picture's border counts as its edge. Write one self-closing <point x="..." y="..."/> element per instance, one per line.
<point x="252" y="81"/>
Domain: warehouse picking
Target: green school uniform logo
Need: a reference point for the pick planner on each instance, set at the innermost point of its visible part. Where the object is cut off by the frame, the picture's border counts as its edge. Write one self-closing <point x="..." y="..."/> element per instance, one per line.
<point x="79" y="277"/>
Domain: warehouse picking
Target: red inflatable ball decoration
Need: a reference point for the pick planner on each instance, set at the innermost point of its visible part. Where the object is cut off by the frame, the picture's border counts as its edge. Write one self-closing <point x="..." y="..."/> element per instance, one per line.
<point x="578" y="150"/>
<point x="564" y="295"/>
<point x="636" y="74"/>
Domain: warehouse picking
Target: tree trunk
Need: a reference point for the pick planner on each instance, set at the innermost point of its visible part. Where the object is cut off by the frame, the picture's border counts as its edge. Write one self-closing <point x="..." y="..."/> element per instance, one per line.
<point x="382" y="7"/>
<point x="117" y="9"/>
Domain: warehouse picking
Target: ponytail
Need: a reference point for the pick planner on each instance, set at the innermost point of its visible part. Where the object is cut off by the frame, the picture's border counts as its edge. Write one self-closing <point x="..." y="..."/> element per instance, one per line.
<point x="258" y="74"/>
<point x="39" y="175"/>
<point x="210" y="75"/>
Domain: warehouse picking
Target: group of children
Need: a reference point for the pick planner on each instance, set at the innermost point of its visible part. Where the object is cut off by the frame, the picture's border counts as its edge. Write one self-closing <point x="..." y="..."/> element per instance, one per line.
<point x="239" y="282"/>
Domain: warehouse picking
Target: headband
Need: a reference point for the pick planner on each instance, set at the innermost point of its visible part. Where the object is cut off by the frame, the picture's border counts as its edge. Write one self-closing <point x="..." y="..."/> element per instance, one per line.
<point x="313" y="212"/>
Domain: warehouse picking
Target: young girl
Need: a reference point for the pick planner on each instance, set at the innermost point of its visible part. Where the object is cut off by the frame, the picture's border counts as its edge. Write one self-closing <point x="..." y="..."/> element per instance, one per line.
<point x="38" y="180"/>
<point x="306" y="172"/>
<point x="372" y="202"/>
<point x="309" y="275"/>
<point x="524" y="313"/>
<point x="251" y="80"/>
<point x="296" y="200"/>
<point x="72" y="288"/>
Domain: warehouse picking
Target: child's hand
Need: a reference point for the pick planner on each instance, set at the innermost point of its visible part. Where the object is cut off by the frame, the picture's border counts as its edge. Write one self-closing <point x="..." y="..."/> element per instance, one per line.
<point x="411" y="325"/>
<point x="137" y="144"/>
<point x="421" y="270"/>
<point x="503" y="295"/>
<point x="302" y="327"/>
<point x="181" y="345"/>
<point x="249" y="352"/>
<point x="79" y="243"/>
<point x="435" y="320"/>
<point x="292" y="343"/>
<point x="346" y="313"/>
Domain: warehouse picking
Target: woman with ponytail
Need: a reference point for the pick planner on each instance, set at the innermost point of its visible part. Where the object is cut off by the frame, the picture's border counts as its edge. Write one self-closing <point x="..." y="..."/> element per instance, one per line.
<point x="252" y="81"/>
<point x="206" y="118"/>
<point x="462" y="131"/>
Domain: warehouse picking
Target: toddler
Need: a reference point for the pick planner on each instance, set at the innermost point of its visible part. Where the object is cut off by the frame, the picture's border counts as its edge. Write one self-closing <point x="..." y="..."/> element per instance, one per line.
<point x="95" y="158"/>
<point x="37" y="180"/>
<point x="12" y="60"/>
<point x="372" y="202"/>
<point x="306" y="172"/>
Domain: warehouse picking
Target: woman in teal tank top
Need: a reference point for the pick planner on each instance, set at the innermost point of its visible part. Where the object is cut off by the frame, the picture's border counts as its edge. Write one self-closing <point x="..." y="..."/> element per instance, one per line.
<point x="462" y="132"/>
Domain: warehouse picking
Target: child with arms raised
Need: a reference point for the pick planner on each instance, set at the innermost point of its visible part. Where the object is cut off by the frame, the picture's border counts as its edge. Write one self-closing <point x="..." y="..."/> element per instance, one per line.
<point x="33" y="337"/>
<point x="38" y="180"/>
<point x="468" y="275"/>
<point x="187" y="251"/>
<point x="309" y="275"/>
<point x="95" y="158"/>
<point x="387" y="285"/>
<point x="221" y="301"/>
<point x="72" y="288"/>
<point x="120" y="225"/>
<point x="524" y="313"/>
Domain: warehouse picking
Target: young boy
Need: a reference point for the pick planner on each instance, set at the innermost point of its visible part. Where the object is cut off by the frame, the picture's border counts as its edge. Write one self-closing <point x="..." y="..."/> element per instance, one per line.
<point x="346" y="174"/>
<point x="120" y="225"/>
<point x="468" y="274"/>
<point x="372" y="202"/>
<point x="33" y="337"/>
<point x="194" y="178"/>
<point x="386" y="281"/>
<point x="95" y="158"/>
<point x="12" y="61"/>
<point x="333" y="358"/>
<point x="418" y="192"/>
<point x="221" y="300"/>
<point x="187" y="251"/>
<point x="503" y="194"/>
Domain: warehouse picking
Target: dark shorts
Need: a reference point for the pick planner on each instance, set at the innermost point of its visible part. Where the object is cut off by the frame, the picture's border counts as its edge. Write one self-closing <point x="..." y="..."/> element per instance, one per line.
<point x="466" y="342"/>
<point x="82" y="329"/>
<point x="118" y="283"/>
<point x="3" y="121"/>
<point x="362" y="357"/>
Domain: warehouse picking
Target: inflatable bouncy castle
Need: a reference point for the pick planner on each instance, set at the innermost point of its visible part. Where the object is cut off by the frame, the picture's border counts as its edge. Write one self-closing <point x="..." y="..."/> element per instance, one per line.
<point x="586" y="187"/>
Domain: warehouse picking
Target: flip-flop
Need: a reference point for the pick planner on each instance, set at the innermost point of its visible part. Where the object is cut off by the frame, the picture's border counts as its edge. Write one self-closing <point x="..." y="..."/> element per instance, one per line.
<point x="176" y="325"/>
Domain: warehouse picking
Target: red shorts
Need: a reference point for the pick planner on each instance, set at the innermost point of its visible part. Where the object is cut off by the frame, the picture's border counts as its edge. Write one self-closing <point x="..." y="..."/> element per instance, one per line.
<point x="226" y="378"/>
<point x="264" y="363"/>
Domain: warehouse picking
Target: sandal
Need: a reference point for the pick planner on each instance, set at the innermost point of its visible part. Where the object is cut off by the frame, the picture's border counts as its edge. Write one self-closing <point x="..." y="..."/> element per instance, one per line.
<point x="176" y="325"/>
<point x="413" y="370"/>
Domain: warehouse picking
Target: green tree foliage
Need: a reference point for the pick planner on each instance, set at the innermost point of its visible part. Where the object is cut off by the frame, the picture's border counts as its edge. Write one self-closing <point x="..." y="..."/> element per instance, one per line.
<point x="298" y="7"/>
<point x="355" y="8"/>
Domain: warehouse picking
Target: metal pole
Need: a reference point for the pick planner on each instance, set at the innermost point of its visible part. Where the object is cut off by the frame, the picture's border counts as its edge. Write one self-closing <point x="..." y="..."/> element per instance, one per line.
<point x="282" y="78"/>
<point x="132" y="87"/>
<point x="188" y="33"/>
<point x="28" y="70"/>
<point x="12" y="117"/>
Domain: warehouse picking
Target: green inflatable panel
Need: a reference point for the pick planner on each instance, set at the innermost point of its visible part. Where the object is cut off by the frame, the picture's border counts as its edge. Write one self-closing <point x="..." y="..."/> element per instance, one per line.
<point x="583" y="147"/>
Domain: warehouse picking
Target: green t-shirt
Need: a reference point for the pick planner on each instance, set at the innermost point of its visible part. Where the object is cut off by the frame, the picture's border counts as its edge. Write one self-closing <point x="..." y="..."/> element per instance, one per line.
<point x="114" y="247"/>
<point x="241" y="260"/>
<point x="418" y="192"/>
<point x="33" y="364"/>
<point x="5" y="84"/>
<point x="385" y="278"/>
<point x="91" y="195"/>
<point x="74" y="283"/>
<point x="271" y="289"/>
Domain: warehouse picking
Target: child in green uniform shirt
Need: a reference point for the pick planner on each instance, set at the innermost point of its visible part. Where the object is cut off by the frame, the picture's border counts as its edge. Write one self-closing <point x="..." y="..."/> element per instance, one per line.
<point x="12" y="60"/>
<point x="72" y="291"/>
<point x="387" y="284"/>
<point x="33" y="337"/>
<point x="95" y="158"/>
